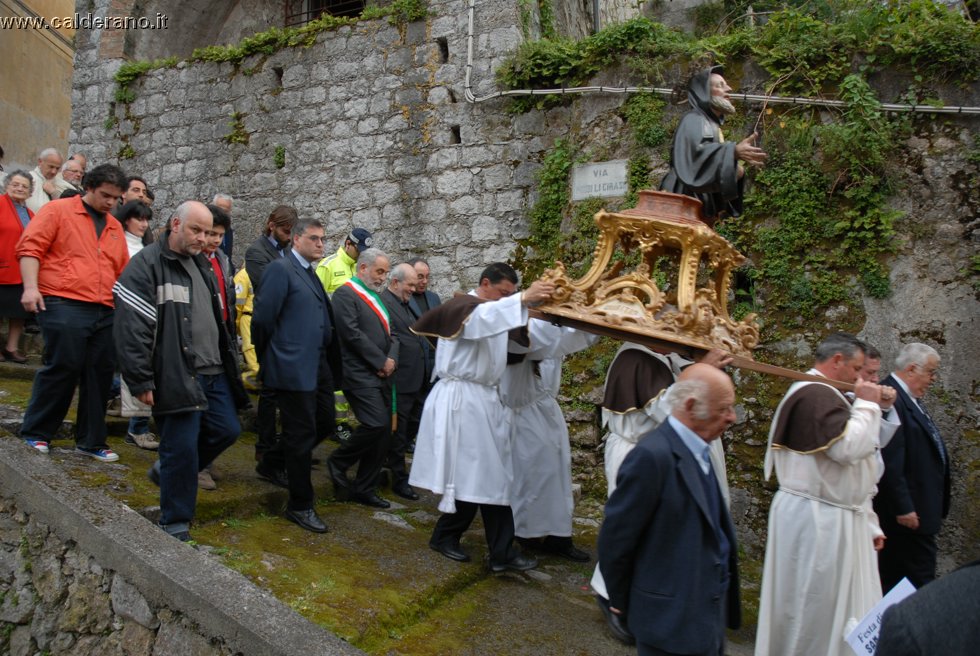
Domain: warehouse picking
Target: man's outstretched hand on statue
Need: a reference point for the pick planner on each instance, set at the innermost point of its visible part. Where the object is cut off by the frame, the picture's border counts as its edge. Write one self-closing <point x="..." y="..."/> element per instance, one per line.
<point x="746" y="151"/>
<point x="717" y="358"/>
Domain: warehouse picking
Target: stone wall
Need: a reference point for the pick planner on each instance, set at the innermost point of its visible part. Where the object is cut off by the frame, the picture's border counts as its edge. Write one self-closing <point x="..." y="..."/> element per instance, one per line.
<point x="57" y="599"/>
<point x="82" y="574"/>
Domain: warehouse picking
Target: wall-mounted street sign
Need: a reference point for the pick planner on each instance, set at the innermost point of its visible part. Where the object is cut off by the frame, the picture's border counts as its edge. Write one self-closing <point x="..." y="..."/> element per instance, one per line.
<point x="600" y="179"/>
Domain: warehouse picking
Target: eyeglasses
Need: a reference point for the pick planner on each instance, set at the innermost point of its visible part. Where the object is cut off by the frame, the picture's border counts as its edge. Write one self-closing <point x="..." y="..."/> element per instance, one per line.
<point x="315" y="239"/>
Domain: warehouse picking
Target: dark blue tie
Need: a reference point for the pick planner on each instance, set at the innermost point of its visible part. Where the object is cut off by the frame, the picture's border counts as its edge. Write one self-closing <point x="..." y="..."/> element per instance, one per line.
<point x="933" y="432"/>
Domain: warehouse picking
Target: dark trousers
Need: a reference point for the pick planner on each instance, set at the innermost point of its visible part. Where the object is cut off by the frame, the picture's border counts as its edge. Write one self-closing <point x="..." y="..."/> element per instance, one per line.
<point x="323" y="422"/>
<point x="295" y="446"/>
<point x="78" y="350"/>
<point x="648" y="650"/>
<point x="189" y="442"/>
<point x="400" y="439"/>
<point x="498" y="525"/>
<point x="265" y="422"/>
<point x="368" y="445"/>
<point x="906" y="554"/>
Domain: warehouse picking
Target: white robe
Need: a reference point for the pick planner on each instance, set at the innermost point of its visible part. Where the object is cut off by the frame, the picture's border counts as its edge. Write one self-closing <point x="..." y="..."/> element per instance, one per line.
<point x="542" y="498"/>
<point x="821" y="570"/>
<point x="463" y="448"/>
<point x="626" y="429"/>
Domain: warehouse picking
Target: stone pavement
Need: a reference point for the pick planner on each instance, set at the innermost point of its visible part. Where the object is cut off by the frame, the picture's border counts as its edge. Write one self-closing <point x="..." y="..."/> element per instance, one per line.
<point x="371" y="580"/>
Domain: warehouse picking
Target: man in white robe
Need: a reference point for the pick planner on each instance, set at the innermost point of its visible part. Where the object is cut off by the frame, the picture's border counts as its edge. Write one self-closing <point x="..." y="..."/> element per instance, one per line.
<point x="542" y="498"/>
<point x="463" y="449"/>
<point x="820" y="575"/>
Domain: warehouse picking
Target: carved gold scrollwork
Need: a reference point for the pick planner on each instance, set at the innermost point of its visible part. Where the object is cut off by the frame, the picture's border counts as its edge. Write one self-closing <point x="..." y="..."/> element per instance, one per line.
<point x="612" y="296"/>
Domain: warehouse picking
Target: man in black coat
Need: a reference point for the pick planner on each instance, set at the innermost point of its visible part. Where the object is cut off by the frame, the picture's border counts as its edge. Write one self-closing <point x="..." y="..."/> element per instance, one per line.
<point x="412" y="372"/>
<point x="703" y="164"/>
<point x="293" y="334"/>
<point x="667" y="545"/>
<point x="369" y="355"/>
<point x="269" y="247"/>
<point x="913" y="494"/>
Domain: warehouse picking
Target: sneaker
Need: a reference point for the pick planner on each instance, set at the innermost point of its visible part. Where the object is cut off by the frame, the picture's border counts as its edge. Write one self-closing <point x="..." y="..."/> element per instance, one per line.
<point x="343" y="433"/>
<point x="114" y="407"/>
<point x="102" y="455"/>
<point x="38" y="445"/>
<point x="183" y="536"/>
<point x="146" y="441"/>
<point x="204" y="480"/>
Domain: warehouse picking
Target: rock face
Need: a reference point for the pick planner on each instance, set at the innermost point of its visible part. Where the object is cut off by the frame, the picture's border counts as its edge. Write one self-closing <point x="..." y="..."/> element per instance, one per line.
<point x="375" y="132"/>
<point x="56" y="599"/>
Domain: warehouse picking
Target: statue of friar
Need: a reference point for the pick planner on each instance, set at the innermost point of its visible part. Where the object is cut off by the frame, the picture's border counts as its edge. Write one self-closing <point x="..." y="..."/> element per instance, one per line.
<point x="702" y="164"/>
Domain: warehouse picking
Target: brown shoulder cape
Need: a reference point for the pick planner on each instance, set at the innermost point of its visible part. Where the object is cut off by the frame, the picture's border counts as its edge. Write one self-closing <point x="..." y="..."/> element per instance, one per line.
<point x="634" y="379"/>
<point x="811" y="420"/>
<point x="446" y="321"/>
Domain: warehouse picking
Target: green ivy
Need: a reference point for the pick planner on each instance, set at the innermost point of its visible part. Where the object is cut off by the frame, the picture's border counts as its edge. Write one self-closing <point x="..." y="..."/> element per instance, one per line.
<point x="238" y="134"/>
<point x="808" y="48"/>
<point x="279" y="158"/>
<point x="269" y="42"/>
<point x="645" y="114"/>
<point x="545" y="218"/>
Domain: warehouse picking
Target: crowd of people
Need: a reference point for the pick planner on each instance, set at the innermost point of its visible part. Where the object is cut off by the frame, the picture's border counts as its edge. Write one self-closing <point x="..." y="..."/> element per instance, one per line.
<point x="469" y="386"/>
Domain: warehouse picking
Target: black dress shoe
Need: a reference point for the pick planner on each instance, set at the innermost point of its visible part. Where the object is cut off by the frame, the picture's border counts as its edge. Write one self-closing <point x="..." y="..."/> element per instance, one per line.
<point x="405" y="491"/>
<point x="451" y="551"/>
<point x="307" y="519"/>
<point x="370" y="499"/>
<point x="272" y="475"/>
<point x="562" y="546"/>
<point x="615" y="623"/>
<point x="518" y="563"/>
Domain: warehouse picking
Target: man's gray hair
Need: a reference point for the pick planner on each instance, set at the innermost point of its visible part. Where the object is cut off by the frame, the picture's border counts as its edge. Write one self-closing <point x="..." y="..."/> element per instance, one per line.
<point x="21" y="173"/>
<point x="680" y="392"/>
<point x="369" y="255"/>
<point x="47" y="152"/>
<point x="915" y="353"/>
<point x="401" y="272"/>
<point x="219" y="196"/>
<point x="302" y="225"/>
<point x="844" y="343"/>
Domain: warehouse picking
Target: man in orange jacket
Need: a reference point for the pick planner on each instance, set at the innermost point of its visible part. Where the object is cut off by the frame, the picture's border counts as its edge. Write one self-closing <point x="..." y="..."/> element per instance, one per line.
<point x="70" y="256"/>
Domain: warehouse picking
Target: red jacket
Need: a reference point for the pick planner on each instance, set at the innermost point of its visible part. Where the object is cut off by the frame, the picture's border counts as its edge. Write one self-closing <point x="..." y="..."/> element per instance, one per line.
<point x="74" y="264"/>
<point x="10" y="231"/>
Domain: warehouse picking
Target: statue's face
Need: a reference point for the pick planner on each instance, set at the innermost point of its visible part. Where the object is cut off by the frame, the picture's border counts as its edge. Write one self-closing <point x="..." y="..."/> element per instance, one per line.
<point x="719" y="94"/>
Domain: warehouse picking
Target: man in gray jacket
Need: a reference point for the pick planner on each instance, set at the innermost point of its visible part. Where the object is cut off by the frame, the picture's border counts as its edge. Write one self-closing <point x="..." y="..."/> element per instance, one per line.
<point x="369" y="355"/>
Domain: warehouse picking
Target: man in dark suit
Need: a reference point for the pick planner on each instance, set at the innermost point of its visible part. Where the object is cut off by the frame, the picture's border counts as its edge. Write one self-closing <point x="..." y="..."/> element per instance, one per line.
<point x="913" y="494"/>
<point x="412" y="372"/>
<point x="293" y="333"/>
<point x="269" y="247"/>
<point x="423" y="300"/>
<point x="369" y="354"/>
<point x="667" y="545"/>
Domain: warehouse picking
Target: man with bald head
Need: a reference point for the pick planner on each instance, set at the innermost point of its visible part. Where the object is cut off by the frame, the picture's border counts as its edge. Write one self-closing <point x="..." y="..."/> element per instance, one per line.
<point x="177" y="356"/>
<point x="49" y="163"/>
<point x="411" y="374"/>
<point x="667" y="544"/>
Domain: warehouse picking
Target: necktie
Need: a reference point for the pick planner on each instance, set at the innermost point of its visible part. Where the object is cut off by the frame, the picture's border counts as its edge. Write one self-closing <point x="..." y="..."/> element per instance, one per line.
<point x="933" y="431"/>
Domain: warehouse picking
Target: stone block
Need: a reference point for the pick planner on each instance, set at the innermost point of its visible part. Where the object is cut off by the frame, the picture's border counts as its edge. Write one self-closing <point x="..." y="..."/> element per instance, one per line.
<point x="87" y="608"/>
<point x="47" y="577"/>
<point x="484" y="228"/>
<point x="20" y="642"/>
<point x="128" y="603"/>
<point x="454" y="183"/>
<point x="18" y="605"/>
<point x="368" y="218"/>
<point x="368" y="125"/>
<point x="384" y="192"/>
<point x="464" y="206"/>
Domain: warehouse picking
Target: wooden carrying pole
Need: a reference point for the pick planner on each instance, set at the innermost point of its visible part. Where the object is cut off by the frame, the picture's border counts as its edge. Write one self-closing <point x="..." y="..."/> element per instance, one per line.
<point x="665" y="346"/>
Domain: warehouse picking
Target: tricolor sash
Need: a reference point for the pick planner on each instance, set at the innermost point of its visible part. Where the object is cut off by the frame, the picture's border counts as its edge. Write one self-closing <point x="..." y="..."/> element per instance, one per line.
<point x="372" y="299"/>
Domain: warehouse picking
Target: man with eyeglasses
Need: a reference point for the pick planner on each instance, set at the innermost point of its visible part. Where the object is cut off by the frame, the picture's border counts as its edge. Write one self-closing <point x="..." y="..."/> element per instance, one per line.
<point x="293" y="332"/>
<point x="913" y="494"/>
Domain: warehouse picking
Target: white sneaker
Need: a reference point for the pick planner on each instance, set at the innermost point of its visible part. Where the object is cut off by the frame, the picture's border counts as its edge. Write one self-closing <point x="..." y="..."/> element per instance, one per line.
<point x="146" y="441"/>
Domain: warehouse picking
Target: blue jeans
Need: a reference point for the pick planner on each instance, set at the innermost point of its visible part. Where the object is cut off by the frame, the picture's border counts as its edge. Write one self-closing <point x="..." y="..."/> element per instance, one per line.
<point x="189" y="442"/>
<point x="78" y="350"/>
